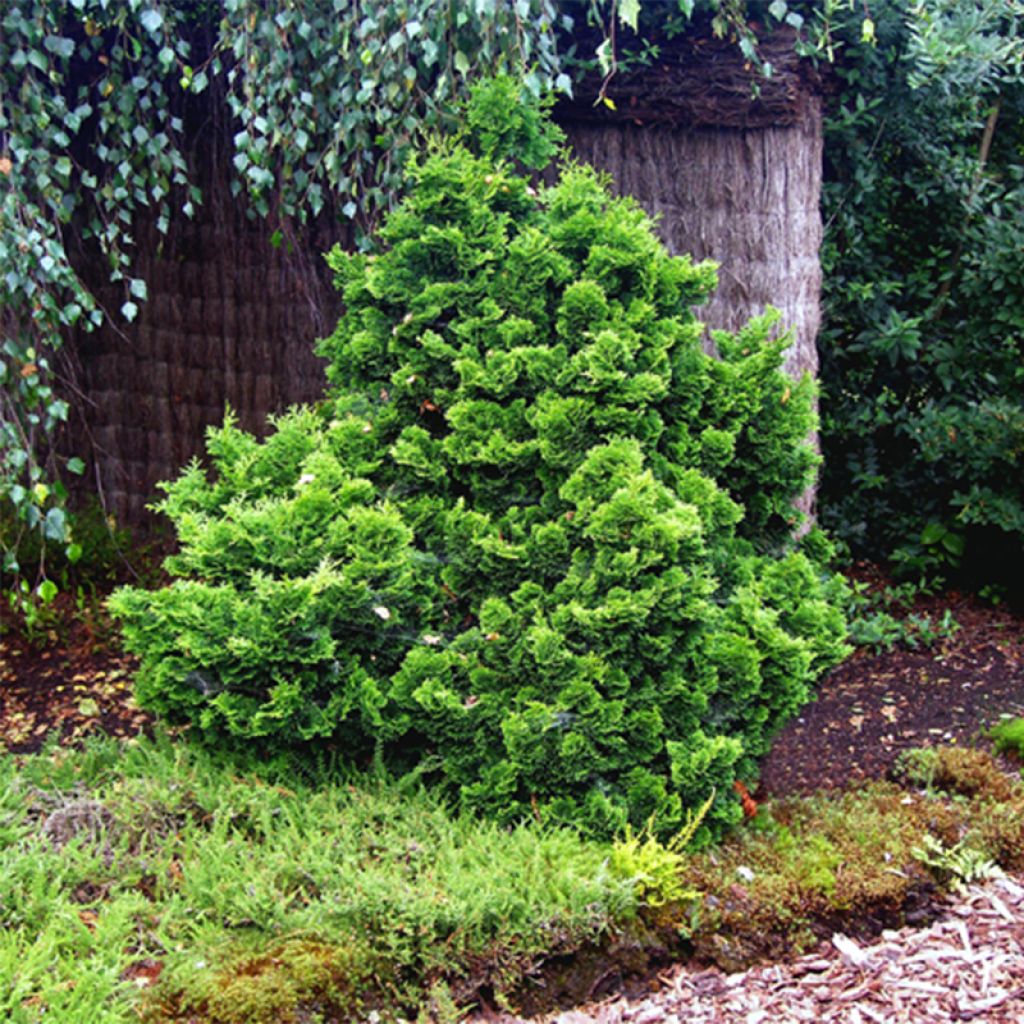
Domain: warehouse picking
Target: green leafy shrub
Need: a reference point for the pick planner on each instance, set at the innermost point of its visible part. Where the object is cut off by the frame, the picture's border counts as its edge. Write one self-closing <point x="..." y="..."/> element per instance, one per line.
<point x="962" y="863"/>
<point x="655" y="868"/>
<point x="536" y="542"/>
<point x="879" y="619"/>
<point x="70" y="580"/>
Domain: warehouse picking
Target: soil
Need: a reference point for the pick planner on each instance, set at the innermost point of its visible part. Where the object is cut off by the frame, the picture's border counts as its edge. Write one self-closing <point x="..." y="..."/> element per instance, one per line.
<point x="873" y="706"/>
<point x="867" y="710"/>
<point x="65" y="685"/>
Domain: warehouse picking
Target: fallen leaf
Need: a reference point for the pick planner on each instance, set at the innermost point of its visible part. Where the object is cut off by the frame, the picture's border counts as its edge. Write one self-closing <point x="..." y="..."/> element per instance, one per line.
<point x="88" y="708"/>
<point x="143" y="972"/>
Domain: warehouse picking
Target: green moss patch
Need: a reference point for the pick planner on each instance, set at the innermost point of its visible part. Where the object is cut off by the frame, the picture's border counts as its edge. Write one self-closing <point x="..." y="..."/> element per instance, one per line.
<point x="156" y="881"/>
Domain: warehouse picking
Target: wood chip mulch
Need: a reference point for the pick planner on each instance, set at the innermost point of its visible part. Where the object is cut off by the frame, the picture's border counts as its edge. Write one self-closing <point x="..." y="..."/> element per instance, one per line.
<point x="967" y="966"/>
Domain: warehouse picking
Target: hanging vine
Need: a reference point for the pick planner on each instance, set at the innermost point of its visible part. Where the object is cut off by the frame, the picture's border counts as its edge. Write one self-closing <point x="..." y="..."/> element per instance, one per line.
<point x="328" y="99"/>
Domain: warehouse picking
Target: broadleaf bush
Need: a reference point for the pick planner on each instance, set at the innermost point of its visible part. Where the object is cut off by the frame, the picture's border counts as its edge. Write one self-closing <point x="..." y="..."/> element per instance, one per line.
<point x="923" y="324"/>
<point x="536" y="542"/>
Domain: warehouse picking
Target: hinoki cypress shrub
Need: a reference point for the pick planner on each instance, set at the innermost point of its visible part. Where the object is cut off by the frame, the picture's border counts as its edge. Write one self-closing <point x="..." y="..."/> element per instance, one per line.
<point x="536" y="543"/>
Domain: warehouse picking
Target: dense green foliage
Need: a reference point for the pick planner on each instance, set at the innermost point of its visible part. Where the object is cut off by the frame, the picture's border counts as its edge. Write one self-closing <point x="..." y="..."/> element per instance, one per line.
<point x="923" y="332"/>
<point x="536" y="541"/>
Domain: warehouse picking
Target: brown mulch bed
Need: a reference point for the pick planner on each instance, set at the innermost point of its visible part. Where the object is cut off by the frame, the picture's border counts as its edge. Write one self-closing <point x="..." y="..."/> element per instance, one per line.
<point x="867" y="710"/>
<point x="66" y="686"/>
<point x="872" y="707"/>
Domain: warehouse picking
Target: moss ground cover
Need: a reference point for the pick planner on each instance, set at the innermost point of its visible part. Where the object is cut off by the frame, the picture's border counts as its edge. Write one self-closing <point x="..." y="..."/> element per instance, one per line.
<point x="257" y="890"/>
<point x="151" y="879"/>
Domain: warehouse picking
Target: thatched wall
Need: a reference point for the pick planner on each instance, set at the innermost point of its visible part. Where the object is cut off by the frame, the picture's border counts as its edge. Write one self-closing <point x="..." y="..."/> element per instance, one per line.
<point x="747" y="198"/>
<point x="231" y="320"/>
<point x="730" y="162"/>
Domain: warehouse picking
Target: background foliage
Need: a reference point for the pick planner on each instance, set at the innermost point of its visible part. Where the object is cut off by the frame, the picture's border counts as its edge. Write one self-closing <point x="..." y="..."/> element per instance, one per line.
<point x="923" y="333"/>
<point x="327" y="98"/>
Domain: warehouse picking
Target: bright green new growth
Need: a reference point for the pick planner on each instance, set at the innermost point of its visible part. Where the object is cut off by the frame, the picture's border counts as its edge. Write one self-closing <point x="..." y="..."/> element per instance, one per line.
<point x="1008" y="736"/>
<point x="537" y="541"/>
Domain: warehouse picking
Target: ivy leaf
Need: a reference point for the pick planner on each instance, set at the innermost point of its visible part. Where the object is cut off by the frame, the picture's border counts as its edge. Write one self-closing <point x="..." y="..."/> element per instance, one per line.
<point x="54" y="524"/>
<point x="629" y="13"/>
<point x="76" y="466"/>
<point x="151" y="20"/>
<point x="60" y="45"/>
<point x="778" y="9"/>
<point x="129" y="311"/>
<point x="137" y="287"/>
<point x="953" y="543"/>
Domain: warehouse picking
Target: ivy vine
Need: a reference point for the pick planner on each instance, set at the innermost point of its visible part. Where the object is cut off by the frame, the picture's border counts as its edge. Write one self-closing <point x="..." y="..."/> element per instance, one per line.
<point x="328" y="99"/>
